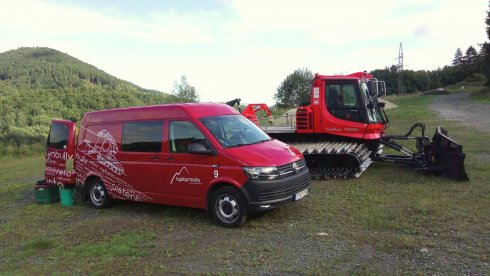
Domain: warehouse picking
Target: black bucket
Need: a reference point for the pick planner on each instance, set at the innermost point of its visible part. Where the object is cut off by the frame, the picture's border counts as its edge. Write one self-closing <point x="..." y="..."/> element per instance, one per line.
<point x="448" y="156"/>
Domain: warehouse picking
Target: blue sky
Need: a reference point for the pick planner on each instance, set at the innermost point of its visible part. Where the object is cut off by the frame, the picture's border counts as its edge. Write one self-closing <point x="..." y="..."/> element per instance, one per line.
<point x="243" y="48"/>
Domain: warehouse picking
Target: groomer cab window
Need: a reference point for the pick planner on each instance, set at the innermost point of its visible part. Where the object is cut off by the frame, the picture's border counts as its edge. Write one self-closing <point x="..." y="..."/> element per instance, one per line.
<point x="342" y="100"/>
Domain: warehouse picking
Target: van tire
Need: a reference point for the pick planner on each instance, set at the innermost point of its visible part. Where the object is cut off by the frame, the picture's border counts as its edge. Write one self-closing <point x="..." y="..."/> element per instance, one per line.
<point x="228" y="207"/>
<point x="97" y="194"/>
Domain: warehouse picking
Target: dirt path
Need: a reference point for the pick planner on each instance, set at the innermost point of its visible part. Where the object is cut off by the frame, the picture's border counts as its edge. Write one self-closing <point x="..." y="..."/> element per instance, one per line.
<point x="458" y="107"/>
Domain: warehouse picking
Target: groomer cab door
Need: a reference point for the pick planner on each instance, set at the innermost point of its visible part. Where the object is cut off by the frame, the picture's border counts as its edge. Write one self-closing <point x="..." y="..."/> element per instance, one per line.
<point x="345" y="108"/>
<point x="60" y="153"/>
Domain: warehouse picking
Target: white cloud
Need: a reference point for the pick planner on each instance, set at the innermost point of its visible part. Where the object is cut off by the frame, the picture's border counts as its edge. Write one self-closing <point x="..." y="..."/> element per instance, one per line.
<point x="45" y="19"/>
<point x="329" y="22"/>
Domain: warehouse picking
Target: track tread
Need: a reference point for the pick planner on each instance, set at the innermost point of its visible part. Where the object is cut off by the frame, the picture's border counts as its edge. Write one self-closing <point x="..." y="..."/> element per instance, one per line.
<point x="335" y="150"/>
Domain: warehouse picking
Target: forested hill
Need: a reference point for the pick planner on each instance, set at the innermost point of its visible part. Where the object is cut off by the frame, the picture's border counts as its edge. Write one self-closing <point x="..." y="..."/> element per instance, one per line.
<point x="44" y="68"/>
<point x="39" y="84"/>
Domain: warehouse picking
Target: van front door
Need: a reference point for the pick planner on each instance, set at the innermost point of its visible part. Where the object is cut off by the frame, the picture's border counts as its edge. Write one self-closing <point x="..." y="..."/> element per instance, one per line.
<point x="188" y="174"/>
<point x="60" y="152"/>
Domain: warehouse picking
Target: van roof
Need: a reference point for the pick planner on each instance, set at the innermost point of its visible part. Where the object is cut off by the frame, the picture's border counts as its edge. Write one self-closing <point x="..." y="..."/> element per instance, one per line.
<point x="165" y="111"/>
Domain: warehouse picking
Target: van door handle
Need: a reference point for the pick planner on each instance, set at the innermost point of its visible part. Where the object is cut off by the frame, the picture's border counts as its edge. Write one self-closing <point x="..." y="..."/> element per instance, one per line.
<point x="169" y="158"/>
<point x="154" y="157"/>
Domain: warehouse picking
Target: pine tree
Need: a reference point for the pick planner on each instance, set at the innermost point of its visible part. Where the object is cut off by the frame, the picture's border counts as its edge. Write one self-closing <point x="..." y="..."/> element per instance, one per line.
<point x="471" y="55"/>
<point x="458" y="58"/>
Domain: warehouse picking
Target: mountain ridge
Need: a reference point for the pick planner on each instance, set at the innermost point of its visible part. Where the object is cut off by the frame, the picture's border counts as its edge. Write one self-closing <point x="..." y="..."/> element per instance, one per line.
<point x="47" y="68"/>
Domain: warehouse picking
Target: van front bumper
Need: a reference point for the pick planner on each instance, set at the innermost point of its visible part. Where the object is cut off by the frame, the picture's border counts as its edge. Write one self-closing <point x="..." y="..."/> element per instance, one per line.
<point x="269" y="194"/>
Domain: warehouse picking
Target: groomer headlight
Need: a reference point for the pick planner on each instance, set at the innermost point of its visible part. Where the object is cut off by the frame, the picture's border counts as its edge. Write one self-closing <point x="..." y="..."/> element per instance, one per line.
<point x="261" y="173"/>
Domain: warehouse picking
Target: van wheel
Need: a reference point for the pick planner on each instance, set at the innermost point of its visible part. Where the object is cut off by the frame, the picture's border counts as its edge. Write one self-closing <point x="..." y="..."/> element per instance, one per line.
<point x="228" y="207"/>
<point x="98" y="196"/>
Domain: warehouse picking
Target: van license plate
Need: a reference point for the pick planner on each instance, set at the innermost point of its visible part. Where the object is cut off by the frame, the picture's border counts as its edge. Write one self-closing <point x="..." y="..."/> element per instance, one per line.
<point x="300" y="195"/>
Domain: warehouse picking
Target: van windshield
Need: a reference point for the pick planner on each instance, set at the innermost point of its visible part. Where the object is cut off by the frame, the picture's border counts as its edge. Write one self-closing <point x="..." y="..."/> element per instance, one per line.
<point x="234" y="130"/>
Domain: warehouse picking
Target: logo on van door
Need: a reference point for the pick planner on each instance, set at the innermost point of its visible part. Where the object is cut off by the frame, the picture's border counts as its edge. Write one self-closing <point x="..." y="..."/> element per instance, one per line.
<point x="183" y="176"/>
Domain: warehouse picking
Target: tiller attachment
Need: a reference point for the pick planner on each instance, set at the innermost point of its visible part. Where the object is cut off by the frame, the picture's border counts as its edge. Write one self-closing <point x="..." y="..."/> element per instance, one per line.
<point x="447" y="156"/>
<point x="443" y="156"/>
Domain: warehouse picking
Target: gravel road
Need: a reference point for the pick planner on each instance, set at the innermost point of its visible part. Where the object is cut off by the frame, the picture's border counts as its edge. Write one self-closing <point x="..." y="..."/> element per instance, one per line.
<point x="458" y="107"/>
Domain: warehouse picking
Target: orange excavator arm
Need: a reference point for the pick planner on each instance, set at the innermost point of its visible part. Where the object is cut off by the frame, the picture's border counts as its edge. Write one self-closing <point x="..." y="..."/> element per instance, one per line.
<point x="250" y="112"/>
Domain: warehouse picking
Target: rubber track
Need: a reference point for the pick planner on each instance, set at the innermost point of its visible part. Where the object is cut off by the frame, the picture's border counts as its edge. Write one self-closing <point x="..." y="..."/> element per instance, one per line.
<point x="334" y="151"/>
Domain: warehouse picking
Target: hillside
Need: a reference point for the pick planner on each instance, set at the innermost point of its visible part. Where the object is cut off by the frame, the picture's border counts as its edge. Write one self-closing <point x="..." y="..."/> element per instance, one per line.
<point x="39" y="84"/>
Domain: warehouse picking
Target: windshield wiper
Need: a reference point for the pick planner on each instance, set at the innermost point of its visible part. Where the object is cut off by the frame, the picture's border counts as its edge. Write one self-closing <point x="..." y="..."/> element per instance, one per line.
<point x="260" y="141"/>
<point x="246" y="144"/>
<point x="237" y="145"/>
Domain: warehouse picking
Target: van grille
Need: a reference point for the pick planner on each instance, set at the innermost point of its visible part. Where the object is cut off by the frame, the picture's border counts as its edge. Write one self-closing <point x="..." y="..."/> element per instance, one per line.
<point x="287" y="170"/>
<point x="284" y="191"/>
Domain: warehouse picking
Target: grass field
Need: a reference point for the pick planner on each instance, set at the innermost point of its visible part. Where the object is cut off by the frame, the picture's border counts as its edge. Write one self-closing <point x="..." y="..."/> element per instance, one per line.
<point x="390" y="220"/>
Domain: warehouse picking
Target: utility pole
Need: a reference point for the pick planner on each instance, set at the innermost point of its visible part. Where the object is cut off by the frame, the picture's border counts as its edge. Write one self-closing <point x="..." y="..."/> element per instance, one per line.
<point x="400" y="69"/>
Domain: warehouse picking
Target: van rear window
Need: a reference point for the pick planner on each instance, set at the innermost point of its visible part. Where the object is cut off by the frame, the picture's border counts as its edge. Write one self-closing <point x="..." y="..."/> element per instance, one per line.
<point x="58" y="136"/>
<point x="142" y="136"/>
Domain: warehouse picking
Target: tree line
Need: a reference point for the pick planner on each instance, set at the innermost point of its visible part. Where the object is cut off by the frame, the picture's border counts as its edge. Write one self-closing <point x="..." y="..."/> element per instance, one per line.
<point x="472" y="66"/>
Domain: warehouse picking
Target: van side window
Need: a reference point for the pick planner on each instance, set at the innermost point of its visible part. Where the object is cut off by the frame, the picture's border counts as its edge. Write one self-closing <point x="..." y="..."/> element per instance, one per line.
<point x="142" y="136"/>
<point x="182" y="134"/>
<point x="58" y="136"/>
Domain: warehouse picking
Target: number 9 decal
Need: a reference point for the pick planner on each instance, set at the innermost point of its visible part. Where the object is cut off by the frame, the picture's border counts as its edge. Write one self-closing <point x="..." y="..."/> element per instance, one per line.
<point x="216" y="174"/>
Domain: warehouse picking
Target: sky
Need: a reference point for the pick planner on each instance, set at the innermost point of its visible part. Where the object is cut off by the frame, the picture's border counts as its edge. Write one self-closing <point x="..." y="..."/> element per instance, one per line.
<point x="244" y="49"/>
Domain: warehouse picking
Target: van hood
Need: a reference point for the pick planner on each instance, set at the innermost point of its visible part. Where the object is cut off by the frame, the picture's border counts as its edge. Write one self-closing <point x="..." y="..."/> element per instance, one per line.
<point x="269" y="153"/>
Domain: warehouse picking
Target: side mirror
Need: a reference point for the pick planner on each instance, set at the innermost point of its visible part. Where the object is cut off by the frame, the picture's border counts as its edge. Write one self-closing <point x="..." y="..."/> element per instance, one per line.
<point x="198" y="148"/>
<point x="381" y="89"/>
<point x="376" y="88"/>
<point x="373" y="88"/>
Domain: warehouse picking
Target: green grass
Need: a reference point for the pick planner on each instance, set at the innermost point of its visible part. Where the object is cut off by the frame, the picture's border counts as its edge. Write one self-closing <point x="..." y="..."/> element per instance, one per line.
<point x="20" y="168"/>
<point x="466" y="87"/>
<point x="376" y="224"/>
<point x="482" y="95"/>
<point x="8" y="151"/>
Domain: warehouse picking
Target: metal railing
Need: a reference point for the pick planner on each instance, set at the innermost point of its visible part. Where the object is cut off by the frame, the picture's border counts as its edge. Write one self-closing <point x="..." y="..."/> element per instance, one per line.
<point x="285" y="121"/>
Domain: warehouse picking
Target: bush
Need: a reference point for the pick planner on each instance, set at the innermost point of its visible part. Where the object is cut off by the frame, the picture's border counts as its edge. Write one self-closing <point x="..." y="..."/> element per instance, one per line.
<point x="476" y="77"/>
<point x="24" y="150"/>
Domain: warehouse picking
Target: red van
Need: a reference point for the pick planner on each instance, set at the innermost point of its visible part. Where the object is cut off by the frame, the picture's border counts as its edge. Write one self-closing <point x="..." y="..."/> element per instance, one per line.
<point x="201" y="155"/>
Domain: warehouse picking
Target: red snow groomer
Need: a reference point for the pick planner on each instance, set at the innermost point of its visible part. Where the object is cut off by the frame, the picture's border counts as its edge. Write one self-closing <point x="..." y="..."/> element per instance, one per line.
<point x="341" y="131"/>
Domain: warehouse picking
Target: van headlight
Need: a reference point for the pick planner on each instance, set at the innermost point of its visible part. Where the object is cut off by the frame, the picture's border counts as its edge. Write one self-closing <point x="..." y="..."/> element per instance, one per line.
<point x="261" y="173"/>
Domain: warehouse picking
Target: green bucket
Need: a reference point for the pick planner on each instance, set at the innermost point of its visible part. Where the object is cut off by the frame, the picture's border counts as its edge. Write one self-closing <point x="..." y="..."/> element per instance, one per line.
<point x="66" y="197"/>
